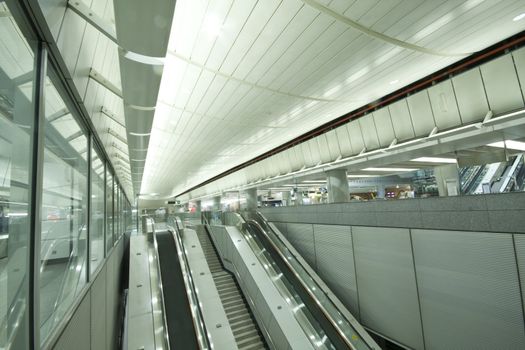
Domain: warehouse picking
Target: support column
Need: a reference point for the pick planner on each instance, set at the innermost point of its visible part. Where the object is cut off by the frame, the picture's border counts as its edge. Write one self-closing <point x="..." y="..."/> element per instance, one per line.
<point x="198" y="206"/>
<point x="298" y="197"/>
<point x="251" y="199"/>
<point x="380" y="191"/>
<point x="286" y="198"/>
<point x="337" y="183"/>
<point x="447" y="179"/>
<point x="216" y="203"/>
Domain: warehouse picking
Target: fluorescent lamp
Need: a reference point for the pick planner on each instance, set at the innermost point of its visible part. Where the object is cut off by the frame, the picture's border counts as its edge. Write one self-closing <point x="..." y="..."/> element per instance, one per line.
<point x="314" y="181"/>
<point x="519" y="17"/>
<point x="212" y="26"/>
<point x="394" y="82"/>
<point x="435" y="160"/>
<point x="388" y="169"/>
<point x="515" y="145"/>
<point x="358" y="176"/>
<point x="144" y="59"/>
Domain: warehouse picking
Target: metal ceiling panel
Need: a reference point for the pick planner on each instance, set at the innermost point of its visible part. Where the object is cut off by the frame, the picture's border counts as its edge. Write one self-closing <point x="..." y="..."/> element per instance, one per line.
<point x="401" y="120"/>
<point x="259" y="16"/>
<point x="368" y="130"/>
<point x="501" y="84"/>
<point x="356" y="138"/>
<point x="140" y="83"/>
<point x="384" y="127"/>
<point x="324" y="151"/>
<point x="444" y="106"/>
<point x="309" y="161"/>
<point x="344" y="141"/>
<point x="315" y="151"/>
<point x="143" y="26"/>
<point x="333" y="144"/>
<point x="470" y="96"/>
<point x="421" y="113"/>
<point x="519" y="62"/>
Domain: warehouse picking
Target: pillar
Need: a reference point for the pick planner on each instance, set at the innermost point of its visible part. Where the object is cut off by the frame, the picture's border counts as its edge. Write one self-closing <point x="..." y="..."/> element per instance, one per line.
<point x="447" y="179"/>
<point x="286" y="198"/>
<point x="337" y="185"/>
<point x="216" y="203"/>
<point x="198" y="206"/>
<point x="251" y="199"/>
<point x="380" y="191"/>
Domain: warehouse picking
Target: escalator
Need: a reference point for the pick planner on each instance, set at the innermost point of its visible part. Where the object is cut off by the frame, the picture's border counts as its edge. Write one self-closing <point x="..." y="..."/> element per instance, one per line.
<point x="314" y="318"/>
<point x="177" y="311"/>
<point x="245" y="330"/>
<point x="339" y="328"/>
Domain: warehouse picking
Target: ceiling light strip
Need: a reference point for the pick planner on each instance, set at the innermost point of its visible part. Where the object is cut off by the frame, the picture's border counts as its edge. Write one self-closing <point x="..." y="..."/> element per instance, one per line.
<point x="377" y="35"/>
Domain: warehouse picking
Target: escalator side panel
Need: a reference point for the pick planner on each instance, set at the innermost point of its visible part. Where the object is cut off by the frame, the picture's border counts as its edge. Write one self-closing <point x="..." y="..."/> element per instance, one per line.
<point x="178" y="314"/>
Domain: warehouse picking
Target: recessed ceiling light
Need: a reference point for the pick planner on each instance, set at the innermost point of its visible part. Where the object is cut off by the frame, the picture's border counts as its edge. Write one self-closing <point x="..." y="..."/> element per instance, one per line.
<point x="519" y="17"/>
<point x="394" y="82"/>
<point x="212" y="26"/>
<point x="388" y="169"/>
<point x="515" y="145"/>
<point x="351" y="176"/>
<point x="435" y="160"/>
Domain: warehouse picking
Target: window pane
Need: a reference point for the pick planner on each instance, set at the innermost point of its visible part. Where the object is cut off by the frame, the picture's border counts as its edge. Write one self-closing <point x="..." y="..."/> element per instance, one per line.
<point x="96" y="223"/>
<point x="16" y="127"/>
<point x="109" y="210"/>
<point x="64" y="210"/>
<point x="115" y="212"/>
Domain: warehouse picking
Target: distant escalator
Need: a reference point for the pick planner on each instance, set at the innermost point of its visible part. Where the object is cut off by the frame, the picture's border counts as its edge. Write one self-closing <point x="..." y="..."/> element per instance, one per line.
<point x="181" y="330"/>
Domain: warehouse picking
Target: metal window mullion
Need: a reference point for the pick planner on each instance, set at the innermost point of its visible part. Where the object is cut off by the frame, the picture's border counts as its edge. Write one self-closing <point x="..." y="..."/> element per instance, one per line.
<point x="105" y="208"/>
<point x="37" y="176"/>
<point x="88" y="221"/>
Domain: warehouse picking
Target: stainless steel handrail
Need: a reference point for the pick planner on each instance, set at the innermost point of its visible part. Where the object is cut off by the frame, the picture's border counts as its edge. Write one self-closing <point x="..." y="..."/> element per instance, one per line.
<point x="322" y="307"/>
<point x="164" y="319"/>
<point x="198" y="318"/>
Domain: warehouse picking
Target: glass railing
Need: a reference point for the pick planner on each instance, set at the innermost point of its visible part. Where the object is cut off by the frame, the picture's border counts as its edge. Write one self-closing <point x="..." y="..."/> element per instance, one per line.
<point x="347" y="330"/>
<point x="176" y="227"/>
<point x="302" y="314"/>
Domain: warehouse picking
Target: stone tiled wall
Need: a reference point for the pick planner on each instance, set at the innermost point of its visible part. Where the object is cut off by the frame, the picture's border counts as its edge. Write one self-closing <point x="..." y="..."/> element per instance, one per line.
<point x="493" y="213"/>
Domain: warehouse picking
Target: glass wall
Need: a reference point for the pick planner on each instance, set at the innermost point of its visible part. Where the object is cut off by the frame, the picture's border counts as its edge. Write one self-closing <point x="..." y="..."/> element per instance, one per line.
<point x="64" y="210"/>
<point x="109" y="210"/>
<point x="17" y="86"/>
<point x="116" y="212"/>
<point x="96" y="217"/>
<point x="59" y="201"/>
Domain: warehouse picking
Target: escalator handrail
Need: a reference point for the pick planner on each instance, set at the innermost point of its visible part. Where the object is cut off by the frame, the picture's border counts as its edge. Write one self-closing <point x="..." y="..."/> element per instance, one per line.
<point x="307" y="269"/>
<point x="164" y="317"/>
<point x="339" y="332"/>
<point x="198" y="317"/>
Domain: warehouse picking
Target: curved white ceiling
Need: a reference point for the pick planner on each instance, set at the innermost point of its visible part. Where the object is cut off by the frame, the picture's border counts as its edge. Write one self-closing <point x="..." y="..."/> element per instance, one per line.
<point x="242" y="77"/>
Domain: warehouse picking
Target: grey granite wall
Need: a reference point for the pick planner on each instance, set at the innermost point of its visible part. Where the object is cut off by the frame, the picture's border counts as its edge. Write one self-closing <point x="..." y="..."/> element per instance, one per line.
<point x="493" y="213"/>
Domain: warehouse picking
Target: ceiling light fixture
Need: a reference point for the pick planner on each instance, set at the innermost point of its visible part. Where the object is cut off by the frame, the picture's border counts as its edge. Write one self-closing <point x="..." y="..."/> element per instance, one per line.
<point x="435" y="160"/>
<point x="519" y="17"/>
<point x="394" y="82"/>
<point x="140" y="134"/>
<point x="353" y="176"/>
<point x="389" y="169"/>
<point x="510" y="144"/>
<point x="212" y="26"/>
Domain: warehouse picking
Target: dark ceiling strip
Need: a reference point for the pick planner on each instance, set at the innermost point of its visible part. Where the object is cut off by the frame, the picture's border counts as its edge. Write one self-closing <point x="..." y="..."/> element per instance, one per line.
<point x="473" y="60"/>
